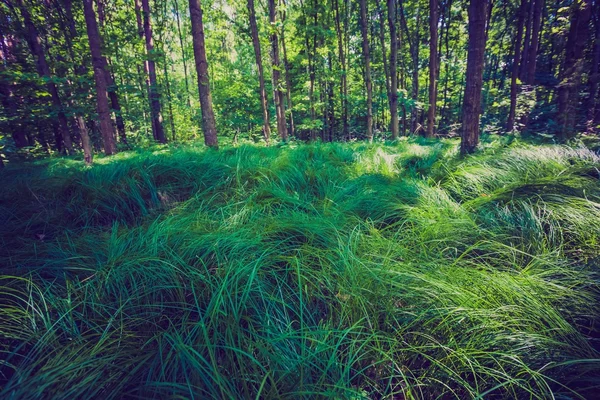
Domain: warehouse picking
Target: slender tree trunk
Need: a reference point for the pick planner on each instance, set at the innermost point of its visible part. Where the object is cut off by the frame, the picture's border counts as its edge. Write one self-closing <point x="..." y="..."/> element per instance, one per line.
<point x="208" y="116"/>
<point x="433" y="65"/>
<point x="593" y="106"/>
<point x="80" y="70"/>
<point x="343" y="76"/>
<point x="472" y="98"/>
<point x="181" y="44"/>
<point x="367" y="66"/>
<point x="568" y="89"/>
<point x="138" y="17"/>
<point x="394" y="124"/>
<point x="527" y="41"/>
<point x="386" y="69"/>
<point x="35" y="44"/>
<point x="277" y="92"/>
<point x="288" y="81"/>
<point x="510" y="123"/>
<point x="106" y="128"/>
<point x="261" y="76"/>
<point x="535" y="38"/>
<point x="153" y="94"/>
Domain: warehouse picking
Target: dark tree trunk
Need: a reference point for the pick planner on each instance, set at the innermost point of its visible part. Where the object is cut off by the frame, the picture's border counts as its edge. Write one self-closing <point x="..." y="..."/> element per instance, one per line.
<point x="568" y="89"/>
<point x="433" y="65"/>
<point x="343" y="77"/>
<point x="533" y="46"/>
<point x="208" y="115"/>
<point x="367" y="66"/>
<point x="474" y="76"/>
<point x="153" y="93"/>
<point x="63" y="136"/>
<point x="394" y="125"/>
<point x="261" y="76"/>
<point x="106" y="128"/>
<point x="288" y="82"/>
<point x="593" y="106"/>
<point x="277" y="92"/>
<point x="80" y="70"/>
<point x="510" y="123"/>
<point x="138" y="17"/>
<point x="183" y="57"/>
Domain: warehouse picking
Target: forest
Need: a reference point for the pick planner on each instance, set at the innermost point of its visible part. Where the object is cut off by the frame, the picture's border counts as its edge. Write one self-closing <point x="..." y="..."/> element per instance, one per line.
<point x="288" y="199"/>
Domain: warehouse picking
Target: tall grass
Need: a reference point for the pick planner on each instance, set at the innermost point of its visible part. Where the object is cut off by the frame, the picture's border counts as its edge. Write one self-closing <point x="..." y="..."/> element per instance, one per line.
<point x="303" y="271"/>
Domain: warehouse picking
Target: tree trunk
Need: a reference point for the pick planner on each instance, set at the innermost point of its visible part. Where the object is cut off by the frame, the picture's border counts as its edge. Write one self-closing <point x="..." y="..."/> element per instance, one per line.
<point x="277" y="92"/>
<point x="181" y="43"/>
<point x="106" y="128"/>
<point x="208" y="116"/>
<point x="593" y="108"/>
<point x="367" y="61"/>
<point x="153" y="94"/>
<point x="261" y="76"/>
<point x="80" y="70"/>
<point x="288" y="82"/>
<point x="510" y="123"/>
<point x="568" y="89"/>
<point x="474" y="76"/>
<point x="35" y="44"/>
<point x="433" y="65"/>
<point x="138" y="17"/>
<point x="394" y="124"/>
<point x="343" y="76"/>
<point x="533" y="46"/>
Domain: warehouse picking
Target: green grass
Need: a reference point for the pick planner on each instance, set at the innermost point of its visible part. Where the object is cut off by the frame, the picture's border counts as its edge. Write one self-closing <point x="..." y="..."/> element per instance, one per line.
<point x="319" y="271"/>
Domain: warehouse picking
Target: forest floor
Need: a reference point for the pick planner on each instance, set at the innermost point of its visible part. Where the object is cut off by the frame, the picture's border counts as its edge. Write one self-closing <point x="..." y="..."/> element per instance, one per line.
<point x="325" y="270"/>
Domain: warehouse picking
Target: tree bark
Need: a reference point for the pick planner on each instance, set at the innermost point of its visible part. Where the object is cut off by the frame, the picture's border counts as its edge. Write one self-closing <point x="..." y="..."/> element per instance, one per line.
<point x="593" y="107"/>
<point x="63" y="136"/>
<point x="367" y="66"/>
<point x="181" y="43"/>
<point x="343" y="76"/>
<point x="474" y="76"/>
<point x="261" y="76"/>
<point x="394" y="123"/>
<point x="288" y="82"/>
<point x="277" y="92"/>
<point x="535" y="38"/>
<point x="433" y="65"/>
<point x="208" y="116"/>
<point x="106" y="128"/>
<point x="153" y="93"/>
<point x="568" y="89"/>
<point x="510" y="123"/>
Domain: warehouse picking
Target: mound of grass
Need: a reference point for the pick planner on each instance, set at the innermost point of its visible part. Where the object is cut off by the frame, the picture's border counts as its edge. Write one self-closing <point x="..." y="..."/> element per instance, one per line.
<point x="326" y="270"/>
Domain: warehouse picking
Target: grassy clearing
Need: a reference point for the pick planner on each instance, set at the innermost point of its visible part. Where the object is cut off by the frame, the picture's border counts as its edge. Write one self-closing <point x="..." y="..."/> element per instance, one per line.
<point x="334" y="270"/>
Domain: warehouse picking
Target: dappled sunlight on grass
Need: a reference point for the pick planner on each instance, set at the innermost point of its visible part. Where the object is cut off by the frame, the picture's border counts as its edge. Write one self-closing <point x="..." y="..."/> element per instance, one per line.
<point x="325" y="270"/>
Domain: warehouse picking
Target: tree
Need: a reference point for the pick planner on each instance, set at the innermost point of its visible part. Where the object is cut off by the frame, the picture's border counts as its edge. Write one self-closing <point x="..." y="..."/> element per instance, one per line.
<point x="572" y="69"/>
<point x="208" y="115"/>
<point x="391" y="5"/>
<point x="510" y="123"/>
<point x="153" y="94"/>
<point x="367" y="61"/>
<point x="277" y="92"/>
<point x="61" y="129"/>
<point x="433" y="65"/>
<point x="259" y="66"/>
<point x="593" y="106"/>
<point x="474" y="76"/>
<point x="106" y="128"/>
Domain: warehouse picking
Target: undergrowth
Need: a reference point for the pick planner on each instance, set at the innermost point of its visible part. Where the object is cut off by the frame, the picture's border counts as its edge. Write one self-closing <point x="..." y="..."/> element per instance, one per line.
<point x="303" y="271"/>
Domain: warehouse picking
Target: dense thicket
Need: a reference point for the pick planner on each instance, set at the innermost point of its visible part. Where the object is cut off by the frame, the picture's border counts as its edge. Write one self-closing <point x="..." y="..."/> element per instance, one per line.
<point x="334" y="70"/>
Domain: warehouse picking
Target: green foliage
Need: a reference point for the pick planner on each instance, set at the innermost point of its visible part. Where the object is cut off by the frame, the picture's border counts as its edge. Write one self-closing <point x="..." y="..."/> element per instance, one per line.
<point x="325" y="270"/>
